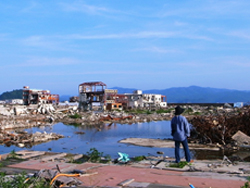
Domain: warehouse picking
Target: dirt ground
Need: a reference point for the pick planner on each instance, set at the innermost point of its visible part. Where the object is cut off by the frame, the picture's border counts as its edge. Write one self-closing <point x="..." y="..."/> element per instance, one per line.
<point x="164" y="143"/>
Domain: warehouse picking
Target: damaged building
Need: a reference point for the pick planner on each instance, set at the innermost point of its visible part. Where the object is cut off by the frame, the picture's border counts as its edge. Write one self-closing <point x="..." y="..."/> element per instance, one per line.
<point x="36" y="96"/>
<point x="96" y="96"/>
<point x="91" y="94"/>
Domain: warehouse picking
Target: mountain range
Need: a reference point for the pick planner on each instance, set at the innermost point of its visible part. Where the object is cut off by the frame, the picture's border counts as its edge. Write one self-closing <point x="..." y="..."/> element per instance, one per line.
<point x="196" y="94"/>
<point x="192" y="94"/>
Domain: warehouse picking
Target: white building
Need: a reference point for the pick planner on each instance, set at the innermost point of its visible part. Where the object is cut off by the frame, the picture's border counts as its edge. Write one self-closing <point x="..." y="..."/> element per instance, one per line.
<point x="15" y="101"/>
<point x="154" y="99"/>
<point x="2" y="102"/>
<point x="137" y="99"/>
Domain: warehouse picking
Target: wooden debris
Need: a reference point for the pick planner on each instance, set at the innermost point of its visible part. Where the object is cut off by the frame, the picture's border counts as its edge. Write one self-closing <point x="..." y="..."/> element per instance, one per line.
<point x="53" y="157"/>
<point x="241" y="139"/>
<point x="126" y="182"/>
<point x="29" y="154"/>
<point x="74" y="157"/>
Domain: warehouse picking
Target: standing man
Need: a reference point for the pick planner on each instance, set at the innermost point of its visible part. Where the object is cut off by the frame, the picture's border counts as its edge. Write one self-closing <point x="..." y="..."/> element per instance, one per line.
<point x="180" y="130"/>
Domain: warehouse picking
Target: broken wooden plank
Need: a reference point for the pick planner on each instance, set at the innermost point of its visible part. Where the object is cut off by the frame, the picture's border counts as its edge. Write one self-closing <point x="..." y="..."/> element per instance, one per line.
<point x="29" y="154"/>
<point x="126" y="182"/>
<point x="73" y="157"/>
<point x="53" y="157"/>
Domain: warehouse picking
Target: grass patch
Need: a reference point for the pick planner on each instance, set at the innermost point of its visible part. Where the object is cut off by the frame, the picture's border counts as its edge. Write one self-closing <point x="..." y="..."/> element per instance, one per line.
<point x="137" y="111"/>
<point x="139" y="158"/>
<point x="178" y="165"/>
<point x="160" y="111"/>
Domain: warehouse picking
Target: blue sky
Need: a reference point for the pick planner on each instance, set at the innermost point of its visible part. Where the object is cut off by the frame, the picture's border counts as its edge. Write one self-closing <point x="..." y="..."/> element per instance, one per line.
<point x="142" y="44"/>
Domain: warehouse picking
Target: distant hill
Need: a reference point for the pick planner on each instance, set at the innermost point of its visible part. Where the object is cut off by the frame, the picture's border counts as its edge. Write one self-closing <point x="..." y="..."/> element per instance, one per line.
<point x="15" y="94"/>
<point x="196" y="94"/>
<point x="121" y="90"/>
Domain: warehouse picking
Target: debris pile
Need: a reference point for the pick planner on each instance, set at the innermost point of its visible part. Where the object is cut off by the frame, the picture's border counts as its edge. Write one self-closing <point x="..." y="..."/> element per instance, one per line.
<point x="220" y="128"/>
<point x="24" y="139"/>
<point x="58" y="179"/>
<point x="45" y="178"/>
<point x="111" y="118"/>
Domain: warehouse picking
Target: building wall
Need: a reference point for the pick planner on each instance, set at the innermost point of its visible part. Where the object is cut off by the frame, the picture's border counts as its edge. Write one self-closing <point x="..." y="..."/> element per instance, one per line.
<point x="137" y="99"/>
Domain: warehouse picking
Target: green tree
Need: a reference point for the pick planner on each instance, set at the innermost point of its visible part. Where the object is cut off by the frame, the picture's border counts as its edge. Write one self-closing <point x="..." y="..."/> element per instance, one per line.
<point x="15" y="94"/>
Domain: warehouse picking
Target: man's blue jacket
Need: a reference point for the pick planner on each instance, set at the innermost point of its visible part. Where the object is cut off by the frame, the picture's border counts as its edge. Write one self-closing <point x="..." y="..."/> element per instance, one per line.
<point x="180" y="128"/>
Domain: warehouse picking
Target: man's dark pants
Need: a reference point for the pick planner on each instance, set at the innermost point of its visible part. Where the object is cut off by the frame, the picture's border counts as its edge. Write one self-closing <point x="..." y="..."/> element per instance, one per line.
<point x="186" y="150"/>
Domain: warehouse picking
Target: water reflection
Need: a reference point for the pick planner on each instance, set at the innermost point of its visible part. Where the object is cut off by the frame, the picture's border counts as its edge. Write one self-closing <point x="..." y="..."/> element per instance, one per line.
<point x="105" y="137"/>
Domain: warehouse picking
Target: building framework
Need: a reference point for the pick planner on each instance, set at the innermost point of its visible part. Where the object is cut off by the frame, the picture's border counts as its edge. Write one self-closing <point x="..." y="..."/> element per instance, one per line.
<point x="91" y="94"/>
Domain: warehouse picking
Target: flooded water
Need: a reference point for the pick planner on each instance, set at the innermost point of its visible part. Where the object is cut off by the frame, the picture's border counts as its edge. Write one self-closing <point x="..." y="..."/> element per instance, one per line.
<point x="107" y="139"/>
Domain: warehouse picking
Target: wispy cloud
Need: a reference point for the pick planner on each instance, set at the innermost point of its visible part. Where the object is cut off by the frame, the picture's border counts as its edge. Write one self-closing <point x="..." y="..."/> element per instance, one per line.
<point x="178" y="23"/>
<point x="243" y="34"/>
<point x="237" y="62"/>
<point x="156" y="49"/>
<point x="98" y="73"/>
<point x="59" y="42"/>
<point x="193" y="64"/>
<point x="32" y="6"/>
<point x="3" y="36"/>
<point x="139" y="35"/>
<point x="79" y="6"/>
<point x="206" y="9"/>
<point x="38" y="41"/>
<point x="144" y="34"/>
<point x="46" y="61"/>
<point x="46" y="42"/>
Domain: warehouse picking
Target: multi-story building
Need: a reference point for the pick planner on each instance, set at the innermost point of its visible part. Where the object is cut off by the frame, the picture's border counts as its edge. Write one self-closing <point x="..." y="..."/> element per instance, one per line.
<point x="36" y="96"/>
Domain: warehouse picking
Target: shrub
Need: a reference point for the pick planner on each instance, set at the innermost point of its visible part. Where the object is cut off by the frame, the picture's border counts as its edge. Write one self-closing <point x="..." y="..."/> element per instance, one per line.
<point x="246" y="185"/>
<point x="94" y="155"/>
<point x="75" y="116"/>
<point x="21" y="181"/>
